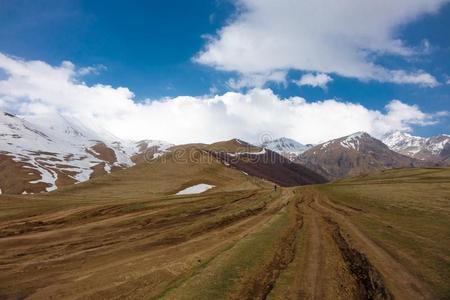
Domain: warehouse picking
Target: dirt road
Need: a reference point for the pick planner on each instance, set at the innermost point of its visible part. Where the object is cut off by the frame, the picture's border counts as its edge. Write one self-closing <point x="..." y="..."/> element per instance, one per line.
<point x="289" y="244"/>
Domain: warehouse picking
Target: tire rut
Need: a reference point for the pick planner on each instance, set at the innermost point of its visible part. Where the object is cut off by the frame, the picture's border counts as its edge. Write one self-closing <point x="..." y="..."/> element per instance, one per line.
<point x="262" y="284"/>
<point x="400" y="282"/>
<point x="371" y="285"/>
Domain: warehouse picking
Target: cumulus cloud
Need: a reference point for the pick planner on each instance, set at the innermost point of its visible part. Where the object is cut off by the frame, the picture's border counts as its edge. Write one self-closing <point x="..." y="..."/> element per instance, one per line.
<point x="35" y="87"/>
<point x="401" y="116"/>
<point x="318" y="80"/>
<point x="326" y="36"/>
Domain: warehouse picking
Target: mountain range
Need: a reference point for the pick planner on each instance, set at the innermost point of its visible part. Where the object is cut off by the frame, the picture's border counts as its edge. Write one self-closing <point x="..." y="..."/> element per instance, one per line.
<point x="353" y="155"/>
<point x="436" y="148"/>
<point x="50" y="151"/>
<point x="46" y="152"/>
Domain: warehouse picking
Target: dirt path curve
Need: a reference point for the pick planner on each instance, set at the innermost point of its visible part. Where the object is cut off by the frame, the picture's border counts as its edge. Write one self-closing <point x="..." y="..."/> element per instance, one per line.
<point x="399" y="280"/>
<point x="314" y="288"/>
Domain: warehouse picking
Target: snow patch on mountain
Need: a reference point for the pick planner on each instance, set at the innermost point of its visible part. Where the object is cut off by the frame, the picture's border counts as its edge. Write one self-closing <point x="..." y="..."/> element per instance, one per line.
<point x="196" y="189"/>
<point x="53" y="144"/>
<point x="285" y="146"/>
<point x="352" y="141"/>
<point x="415" y="146"/>
<point x="233" y="154"/>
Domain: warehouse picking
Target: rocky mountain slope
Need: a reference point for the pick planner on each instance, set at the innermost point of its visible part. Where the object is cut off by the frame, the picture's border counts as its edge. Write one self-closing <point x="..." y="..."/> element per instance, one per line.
<point x="263" y="163"/>
<point x="353" y="155"/>
<point x="287" y="147"/>
<point x="436" y="148"/>
<point x="49" y="151"/>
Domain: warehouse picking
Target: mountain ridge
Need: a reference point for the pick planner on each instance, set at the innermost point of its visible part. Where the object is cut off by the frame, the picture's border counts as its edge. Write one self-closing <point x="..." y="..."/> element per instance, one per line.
<point x="353" y="155"/>
<point x="430" y="148"/>
<point x="285" y="146"/>
<point x="51" y="151"/>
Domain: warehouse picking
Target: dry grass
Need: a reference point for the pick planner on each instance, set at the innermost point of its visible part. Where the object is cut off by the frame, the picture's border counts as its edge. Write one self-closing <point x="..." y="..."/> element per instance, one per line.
<point x="127" y="236"/>
<point x="407" y="212"/>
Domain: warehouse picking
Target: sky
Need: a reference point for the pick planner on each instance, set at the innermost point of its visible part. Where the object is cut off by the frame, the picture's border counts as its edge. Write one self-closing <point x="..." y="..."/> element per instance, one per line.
<point x="202" y="71"/>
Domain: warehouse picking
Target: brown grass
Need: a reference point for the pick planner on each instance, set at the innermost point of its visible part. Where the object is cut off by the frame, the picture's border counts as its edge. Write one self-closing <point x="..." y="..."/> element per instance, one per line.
<point x="127" y="236"/>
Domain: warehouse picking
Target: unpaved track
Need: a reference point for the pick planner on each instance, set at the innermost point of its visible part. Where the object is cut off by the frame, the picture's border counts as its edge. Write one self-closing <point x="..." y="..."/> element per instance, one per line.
<point x="337" y="261"/>
<point x="122" y="256"/>
<point x="318" y="271"/>
<point x="106" y="252"/>
<point x="400" y="281"/>
<point x="315" y="268"/>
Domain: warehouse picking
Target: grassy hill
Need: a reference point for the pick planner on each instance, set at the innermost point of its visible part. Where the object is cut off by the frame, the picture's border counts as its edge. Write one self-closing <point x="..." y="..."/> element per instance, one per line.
<point x="127" y="235"/>
<point x="407" y="212"/>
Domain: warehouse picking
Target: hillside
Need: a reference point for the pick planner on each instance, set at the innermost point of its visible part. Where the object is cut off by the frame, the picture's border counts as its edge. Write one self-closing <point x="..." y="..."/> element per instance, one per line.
<point x="406" y="212"/>
<point x="50" y="151"/>
<point x="264" y="163"/>
<point x="127" y="235"/>
<point x="353" y="155"/>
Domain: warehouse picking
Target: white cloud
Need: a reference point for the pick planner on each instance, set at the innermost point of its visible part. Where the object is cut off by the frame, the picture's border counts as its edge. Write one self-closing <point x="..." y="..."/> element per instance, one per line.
<point x="91" y="70"/>
<point x="443" y="113"/>
<point x="420" y="78"/>
<point x="326" y="36"/>
<point x="34" y="87"/>
<point x="319" y="80"/>
<point x="426" y="47"/>
<point x="401" y="116"/>
<point x="213" y="90"/>
<point x="257" y="79"/>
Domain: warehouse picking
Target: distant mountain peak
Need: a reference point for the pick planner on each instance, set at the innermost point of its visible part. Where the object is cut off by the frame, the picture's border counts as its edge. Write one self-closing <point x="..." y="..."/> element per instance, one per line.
<point x="285" y="146"/>
<point x="358" y="134"/>
<point x="352" y="155"/>
<point x="431" y="148"/>
<point x="351" y="142"/>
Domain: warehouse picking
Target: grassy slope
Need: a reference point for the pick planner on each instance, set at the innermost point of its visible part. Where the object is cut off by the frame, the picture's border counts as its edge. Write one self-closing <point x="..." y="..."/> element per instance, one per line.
<point x="407" y="212"/>
<point x="126" y="235"/>
<point x="233" y="272"/>
<point x="159" y="178"/>
<point x="84" y="239"/>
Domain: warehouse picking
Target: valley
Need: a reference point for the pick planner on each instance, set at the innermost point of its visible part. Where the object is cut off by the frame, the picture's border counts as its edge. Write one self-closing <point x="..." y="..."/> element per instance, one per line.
<point x="225" y="150"/>
<point x="380" y="236"/>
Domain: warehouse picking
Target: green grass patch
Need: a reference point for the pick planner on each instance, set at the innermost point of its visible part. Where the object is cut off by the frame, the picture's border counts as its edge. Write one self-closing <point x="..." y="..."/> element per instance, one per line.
<point x="407" y="212"/>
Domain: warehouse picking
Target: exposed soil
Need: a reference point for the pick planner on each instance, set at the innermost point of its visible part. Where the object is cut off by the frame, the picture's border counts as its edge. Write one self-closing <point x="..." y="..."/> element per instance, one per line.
<point x="174" y="246"/>
<point x="15" y="177"/>
<point x="261" y="284"/>
<point x="399" y="280"/>
<point x="370" y="281"/>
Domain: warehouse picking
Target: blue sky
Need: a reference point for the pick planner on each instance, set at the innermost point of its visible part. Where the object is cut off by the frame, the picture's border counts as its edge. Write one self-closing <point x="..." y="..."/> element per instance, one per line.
<point x="145" y="45"/>
<point x="150" y="46"/>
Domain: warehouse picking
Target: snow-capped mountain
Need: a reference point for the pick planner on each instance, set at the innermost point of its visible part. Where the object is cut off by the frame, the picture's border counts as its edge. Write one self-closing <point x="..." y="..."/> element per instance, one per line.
<point x="353" y="155"/>
<point x="42" y="153"/>
<point x="432" y="148"/>
<point x="287" y="147"/>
